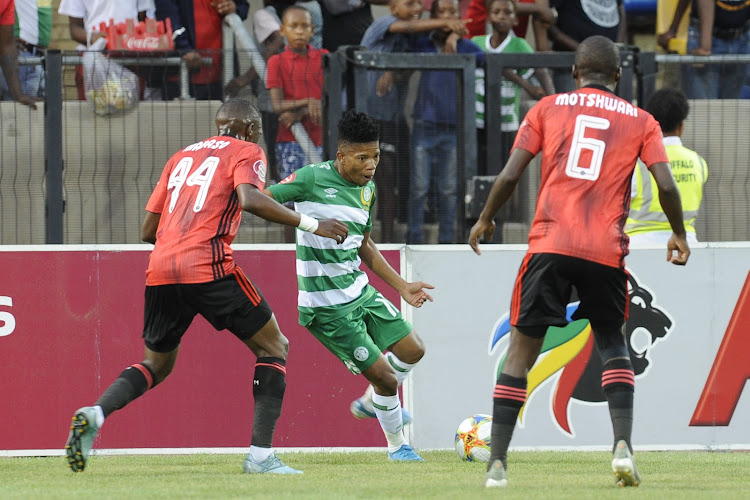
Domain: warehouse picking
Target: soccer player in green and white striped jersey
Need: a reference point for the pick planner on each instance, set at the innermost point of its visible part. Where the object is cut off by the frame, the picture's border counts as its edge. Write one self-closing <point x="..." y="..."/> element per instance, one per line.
<point x="336" y="303"/>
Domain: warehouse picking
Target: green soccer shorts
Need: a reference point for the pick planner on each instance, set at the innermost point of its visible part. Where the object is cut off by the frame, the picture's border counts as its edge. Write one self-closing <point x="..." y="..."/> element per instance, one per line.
<point x="359" y="338"/>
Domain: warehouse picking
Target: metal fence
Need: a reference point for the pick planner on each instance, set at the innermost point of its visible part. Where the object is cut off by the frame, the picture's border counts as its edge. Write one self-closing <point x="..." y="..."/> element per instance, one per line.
<point x="70" y="175"/>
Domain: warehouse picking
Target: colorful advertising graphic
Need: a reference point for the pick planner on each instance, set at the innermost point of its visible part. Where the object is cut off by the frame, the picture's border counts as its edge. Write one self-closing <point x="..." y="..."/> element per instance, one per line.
<point x="570" y="358"/>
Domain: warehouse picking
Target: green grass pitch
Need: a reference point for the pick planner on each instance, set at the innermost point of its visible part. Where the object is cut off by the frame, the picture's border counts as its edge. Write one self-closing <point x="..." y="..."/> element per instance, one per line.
<point x="532" y="475"/>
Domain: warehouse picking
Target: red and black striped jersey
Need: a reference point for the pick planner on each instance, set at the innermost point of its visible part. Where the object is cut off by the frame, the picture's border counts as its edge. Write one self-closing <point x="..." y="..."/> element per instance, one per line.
<point x="200" y="211"/>
<point x="590" y="141"/>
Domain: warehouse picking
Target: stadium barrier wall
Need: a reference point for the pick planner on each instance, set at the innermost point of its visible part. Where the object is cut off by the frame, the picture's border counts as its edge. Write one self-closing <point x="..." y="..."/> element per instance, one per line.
<point x="689" y="332"/>
<point x="70" y="322"/>
<point x="70" y="319"/>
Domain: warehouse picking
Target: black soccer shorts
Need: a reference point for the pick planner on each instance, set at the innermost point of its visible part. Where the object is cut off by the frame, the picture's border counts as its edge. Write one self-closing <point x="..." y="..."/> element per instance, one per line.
<point x="232" y="302"/>
<point x="543" y="290"/>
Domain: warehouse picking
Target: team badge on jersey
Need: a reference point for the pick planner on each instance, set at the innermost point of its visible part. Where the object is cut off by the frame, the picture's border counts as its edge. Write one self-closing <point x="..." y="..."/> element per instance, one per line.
<point x="366" y="196"/>
<point x="361" y="353"/>
<point x="289" y="178"/>
<point x="260" y="169"/>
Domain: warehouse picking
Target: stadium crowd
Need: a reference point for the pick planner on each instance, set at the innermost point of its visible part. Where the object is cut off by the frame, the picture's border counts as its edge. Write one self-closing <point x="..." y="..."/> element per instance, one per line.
<point x="417" y="186"/>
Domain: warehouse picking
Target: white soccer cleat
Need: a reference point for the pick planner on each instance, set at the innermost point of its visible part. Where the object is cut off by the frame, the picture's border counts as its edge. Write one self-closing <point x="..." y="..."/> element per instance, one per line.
<point x="496" y="476"/>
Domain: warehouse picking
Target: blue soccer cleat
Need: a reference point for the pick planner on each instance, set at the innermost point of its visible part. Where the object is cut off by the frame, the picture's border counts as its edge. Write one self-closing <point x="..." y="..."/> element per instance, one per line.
<point x="362" y="408"/>
<point x="271" y="465"/>
<point x="405" y="454"/>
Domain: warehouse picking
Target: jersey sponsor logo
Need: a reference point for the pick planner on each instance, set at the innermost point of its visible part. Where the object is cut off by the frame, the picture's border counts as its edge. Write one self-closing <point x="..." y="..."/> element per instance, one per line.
<point x="569" y="353"/>
<point x="366" y="196"/>
<point x="290" y="178"/>
<point x="330" y="192"/>
<point x="260" y="169"/>
<point x="361" y="353"/>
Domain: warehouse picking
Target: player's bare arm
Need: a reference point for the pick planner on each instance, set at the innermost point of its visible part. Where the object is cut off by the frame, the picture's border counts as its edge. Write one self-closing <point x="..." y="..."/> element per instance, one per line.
<point x="504" y="185"/>
<point x="412" y="292"/>
<point x="149" y="227"/>
<point x="678" y="251"/>
<point x="266" y="207"/>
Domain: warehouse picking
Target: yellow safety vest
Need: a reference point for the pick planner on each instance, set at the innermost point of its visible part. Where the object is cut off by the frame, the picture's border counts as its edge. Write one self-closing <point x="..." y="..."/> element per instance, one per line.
<point x="690" y="172"/>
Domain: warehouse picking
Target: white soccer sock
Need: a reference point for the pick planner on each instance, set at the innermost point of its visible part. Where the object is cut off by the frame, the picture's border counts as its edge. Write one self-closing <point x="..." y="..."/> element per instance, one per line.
<point x="402" y="369"/>
<point x="388" y="411"/>
<point x="366" y="399"/>
<point x="99" y="416"/>
<point x="259" y="454"/>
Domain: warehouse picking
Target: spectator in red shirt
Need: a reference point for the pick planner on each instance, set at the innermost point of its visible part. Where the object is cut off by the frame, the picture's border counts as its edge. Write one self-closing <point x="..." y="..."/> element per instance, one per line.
<point x="196" y="40"/>
<point x="295" y="81"/>
<point x="9" y="53"/>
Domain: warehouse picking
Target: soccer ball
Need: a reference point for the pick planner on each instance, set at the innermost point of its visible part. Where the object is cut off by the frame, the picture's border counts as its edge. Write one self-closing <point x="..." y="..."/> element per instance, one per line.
<point x="473" y="438"/>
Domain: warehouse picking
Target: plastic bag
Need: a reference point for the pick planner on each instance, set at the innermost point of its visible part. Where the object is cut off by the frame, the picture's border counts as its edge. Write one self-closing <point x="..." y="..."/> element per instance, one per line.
<point x="110" y="86"/>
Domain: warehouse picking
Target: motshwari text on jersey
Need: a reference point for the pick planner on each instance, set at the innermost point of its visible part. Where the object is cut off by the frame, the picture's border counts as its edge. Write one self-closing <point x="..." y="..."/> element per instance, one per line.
<point x="596" y="100"/>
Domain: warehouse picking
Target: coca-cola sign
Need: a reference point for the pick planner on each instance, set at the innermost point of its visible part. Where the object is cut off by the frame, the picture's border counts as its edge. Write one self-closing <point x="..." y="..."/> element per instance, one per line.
<point x="145" y="43"/>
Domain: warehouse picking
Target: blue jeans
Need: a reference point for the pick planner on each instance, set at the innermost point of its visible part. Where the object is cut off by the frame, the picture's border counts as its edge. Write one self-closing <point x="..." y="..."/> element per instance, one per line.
<point x="715" y="81"/>
<point x="31" y="78"/>
<point x="290" y="157"/>
<point x="433" y="157"/>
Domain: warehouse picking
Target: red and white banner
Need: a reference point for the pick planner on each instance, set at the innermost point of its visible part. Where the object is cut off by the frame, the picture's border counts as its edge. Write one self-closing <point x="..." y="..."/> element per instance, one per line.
<point x="71" y="321"/>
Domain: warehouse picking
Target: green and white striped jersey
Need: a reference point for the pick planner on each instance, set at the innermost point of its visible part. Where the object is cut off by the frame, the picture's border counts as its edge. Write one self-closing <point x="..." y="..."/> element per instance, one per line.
<point x="34" y="21"/>
<point x="328" y="275"/>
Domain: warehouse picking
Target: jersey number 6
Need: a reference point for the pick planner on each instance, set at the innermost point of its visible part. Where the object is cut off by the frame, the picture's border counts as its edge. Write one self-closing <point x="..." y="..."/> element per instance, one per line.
<point x="581" y="142"/>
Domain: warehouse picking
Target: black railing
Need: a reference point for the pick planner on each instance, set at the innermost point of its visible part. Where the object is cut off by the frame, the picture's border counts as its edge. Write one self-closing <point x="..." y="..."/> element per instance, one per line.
<point x="70" y="176"/>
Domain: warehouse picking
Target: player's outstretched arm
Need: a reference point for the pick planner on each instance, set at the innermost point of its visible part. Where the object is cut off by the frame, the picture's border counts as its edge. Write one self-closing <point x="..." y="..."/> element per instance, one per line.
<point x="669" y="197"/>
<point x="413" y="292"/>
<point x="264" y="206"/>
<point x="501" y="190"/>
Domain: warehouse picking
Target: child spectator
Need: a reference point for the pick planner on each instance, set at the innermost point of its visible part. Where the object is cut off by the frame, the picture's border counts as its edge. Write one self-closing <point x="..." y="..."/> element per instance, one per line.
<point x="295" y="80"/>
<point x="435" y="133"/>
<point x="538" y="11"/>
<point x="502" y="16"/>
<point x="387" y="98"/>
<point x="267" y="34"/>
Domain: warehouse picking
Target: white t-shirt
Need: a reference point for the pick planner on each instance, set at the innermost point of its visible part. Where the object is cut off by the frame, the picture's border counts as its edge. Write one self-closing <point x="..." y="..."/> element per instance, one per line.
<point x="95" y="12"/>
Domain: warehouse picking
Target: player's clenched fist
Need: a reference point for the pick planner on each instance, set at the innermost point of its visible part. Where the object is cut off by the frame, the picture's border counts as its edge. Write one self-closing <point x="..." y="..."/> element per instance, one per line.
<point x="332" y="228"/>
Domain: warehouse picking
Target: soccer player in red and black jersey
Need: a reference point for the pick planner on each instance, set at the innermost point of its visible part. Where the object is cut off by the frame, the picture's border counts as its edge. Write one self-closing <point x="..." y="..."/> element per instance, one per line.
<point x="590" y="141"/>
<point x="192" y="218"/>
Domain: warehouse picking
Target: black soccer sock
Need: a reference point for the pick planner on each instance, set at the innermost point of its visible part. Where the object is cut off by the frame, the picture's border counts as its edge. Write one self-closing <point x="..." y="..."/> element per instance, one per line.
<point x="132" y="383"/>
<point x="618" y="383"/>
<point x="509" y="397"/>
<point x="269" y="384"/>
